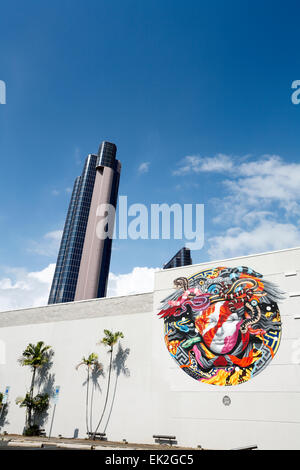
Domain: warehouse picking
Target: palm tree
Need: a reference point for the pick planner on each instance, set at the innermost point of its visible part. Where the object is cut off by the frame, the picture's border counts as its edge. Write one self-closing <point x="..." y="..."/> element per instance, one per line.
<point x="110" y="339"/>
<point x="90" y="362"/>
<point x="34" y="356"/>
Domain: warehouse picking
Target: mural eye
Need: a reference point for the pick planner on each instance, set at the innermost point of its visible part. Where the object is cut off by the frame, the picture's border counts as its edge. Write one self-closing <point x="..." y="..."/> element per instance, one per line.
<point x="213" y="289"/>
<point x="254" y="303"/>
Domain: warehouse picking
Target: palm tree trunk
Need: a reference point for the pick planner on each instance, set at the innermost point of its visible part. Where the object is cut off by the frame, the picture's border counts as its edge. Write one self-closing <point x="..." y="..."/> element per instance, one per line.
<point x="87" y="401"/>
<point x="107" y="392"/>
<point x="112" y="403"/>
<point x="91" y="407"/>
<point x="32" y="382"/>
<point x="29" y="410"/>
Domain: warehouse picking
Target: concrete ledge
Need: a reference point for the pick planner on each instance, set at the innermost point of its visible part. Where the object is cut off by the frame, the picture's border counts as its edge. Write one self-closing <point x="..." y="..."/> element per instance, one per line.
<point x="17" y="443"/>
<point x="75" y="446"/>
<point x="85" y="309"/>
<point x="70" y="443"/>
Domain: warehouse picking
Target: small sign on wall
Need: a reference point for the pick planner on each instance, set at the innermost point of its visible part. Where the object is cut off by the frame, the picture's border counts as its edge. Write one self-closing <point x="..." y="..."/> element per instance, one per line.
<point x="56" y="394"/>
<point x="5" y="396"/>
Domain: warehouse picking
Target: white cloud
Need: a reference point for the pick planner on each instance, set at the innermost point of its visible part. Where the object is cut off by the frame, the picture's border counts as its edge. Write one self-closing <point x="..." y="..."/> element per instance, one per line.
<point x="234" y="210"/>
<point x="54" y="235"/>
<point x="22" y="289"/>
<point x="263" y="197"/>
<point x="196" y="164"/>
<point x="265" y="236"/>
<point x="144" y="167"/>
<point x="57" y="192"/>
<point x="139" y="280"/>
<point x="77" y="156"/>
<point x="269" y="178"/>
<point x="49" y="244"/>
<point x="264" y="188"/>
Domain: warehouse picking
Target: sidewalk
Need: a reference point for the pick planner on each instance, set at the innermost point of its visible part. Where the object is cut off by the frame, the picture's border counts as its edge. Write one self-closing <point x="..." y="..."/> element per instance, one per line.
<point x="35" y="442"/>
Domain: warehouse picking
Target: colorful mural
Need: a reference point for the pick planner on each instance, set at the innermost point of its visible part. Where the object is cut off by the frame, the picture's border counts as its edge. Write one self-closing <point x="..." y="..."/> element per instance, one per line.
<point x="222" y="326"/>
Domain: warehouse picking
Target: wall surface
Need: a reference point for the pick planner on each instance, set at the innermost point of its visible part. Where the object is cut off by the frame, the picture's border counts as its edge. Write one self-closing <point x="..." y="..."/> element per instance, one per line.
<point x="74" y="330"/>
<point x="150" y="394"/>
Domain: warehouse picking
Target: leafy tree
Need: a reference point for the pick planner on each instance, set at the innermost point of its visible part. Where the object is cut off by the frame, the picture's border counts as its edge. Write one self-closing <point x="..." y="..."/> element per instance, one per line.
<point x="3" y="409"/>
<point x="91" y="362"/>
<point x="35" y="356"/>
<point x="110" y="340"/>
<point x="2" y="405"/>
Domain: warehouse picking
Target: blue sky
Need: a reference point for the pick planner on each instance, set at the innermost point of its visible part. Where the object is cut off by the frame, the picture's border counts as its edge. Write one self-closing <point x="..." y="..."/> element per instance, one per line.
<point x="200" y="92"/>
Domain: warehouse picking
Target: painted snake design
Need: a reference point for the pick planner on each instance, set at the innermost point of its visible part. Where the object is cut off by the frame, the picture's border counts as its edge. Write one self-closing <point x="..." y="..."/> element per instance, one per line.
<point x="233" y="293"/>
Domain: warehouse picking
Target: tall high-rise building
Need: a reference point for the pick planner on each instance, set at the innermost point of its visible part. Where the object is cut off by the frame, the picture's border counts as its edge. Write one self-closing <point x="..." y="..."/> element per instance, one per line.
<point x="95" y="260"/>
<point x="182" y="258"/>
<point x="83" y="259"/>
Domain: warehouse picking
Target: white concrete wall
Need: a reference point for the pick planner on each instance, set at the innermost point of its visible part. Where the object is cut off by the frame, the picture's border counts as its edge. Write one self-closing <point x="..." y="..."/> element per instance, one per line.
<point x="156" y="396"/>
<point x="263" y="411"/>
<point x="71" y="340"/>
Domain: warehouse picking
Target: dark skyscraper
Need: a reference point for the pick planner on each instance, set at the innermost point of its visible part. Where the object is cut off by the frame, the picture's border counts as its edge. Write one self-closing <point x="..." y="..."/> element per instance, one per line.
<point x="95" y="260"/>
<point x="74" y="248"/>
<point x="182" y="258"/>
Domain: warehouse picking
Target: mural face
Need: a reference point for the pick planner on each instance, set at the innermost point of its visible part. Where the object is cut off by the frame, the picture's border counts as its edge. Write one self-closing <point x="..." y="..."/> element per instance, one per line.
<point x="222" y="326"/>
